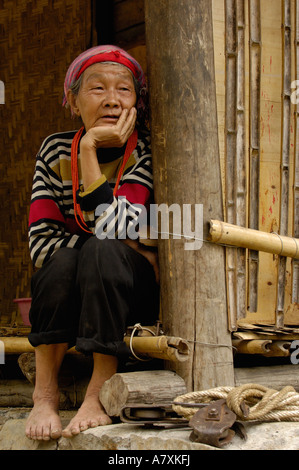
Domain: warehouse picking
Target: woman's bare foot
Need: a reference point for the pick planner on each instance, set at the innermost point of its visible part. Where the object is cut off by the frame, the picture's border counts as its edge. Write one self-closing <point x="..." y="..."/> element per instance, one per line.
<point x="90" y="415"/>
<point x="43" y="422"/>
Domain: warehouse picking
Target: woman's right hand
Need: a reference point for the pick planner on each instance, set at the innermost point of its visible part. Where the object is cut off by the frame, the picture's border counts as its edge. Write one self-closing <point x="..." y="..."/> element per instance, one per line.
<point x="110" y="135"/>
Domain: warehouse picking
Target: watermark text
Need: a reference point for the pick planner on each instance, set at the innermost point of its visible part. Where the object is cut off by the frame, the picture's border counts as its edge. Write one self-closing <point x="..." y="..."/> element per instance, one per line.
<point x="2" y="92"/>
<point x="163" y="222"/>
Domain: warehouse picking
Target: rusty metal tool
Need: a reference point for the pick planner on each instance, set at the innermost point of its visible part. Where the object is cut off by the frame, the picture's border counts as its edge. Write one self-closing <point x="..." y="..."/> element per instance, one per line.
<point x="212" y="424"/>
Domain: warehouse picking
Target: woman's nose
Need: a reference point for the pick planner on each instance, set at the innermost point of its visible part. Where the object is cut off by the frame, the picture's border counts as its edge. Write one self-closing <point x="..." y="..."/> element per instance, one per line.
<point x="111" y="99"/>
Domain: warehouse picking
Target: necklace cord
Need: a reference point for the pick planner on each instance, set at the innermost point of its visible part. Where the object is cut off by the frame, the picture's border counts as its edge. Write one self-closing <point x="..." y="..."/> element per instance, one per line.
<point x="131" y="145"/>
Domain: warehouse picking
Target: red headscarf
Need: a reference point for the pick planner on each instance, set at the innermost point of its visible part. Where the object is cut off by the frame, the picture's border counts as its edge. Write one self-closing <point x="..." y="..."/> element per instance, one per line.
<point x="109" y="53"/>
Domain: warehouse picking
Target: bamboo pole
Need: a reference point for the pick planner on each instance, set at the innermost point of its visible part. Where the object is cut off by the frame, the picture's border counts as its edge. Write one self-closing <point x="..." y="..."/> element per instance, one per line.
<point x="241" y="207"/>
<point x="235" y="167"/>
<point x="184" y="132"/>
<point x="228" y="234"/>
<point x="159" y="347"/>
<point x="295" y="266"/>
<point x="20" y="345"/>
<point x="263" y="347"/>
<point x="231" y="48"/>
<point x="254" y="157"/>
<point x="285" y="156"/>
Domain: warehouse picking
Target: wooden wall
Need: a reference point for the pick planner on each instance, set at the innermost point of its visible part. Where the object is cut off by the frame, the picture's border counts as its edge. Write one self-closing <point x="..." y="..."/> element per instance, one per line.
<point x="129" y="28"/>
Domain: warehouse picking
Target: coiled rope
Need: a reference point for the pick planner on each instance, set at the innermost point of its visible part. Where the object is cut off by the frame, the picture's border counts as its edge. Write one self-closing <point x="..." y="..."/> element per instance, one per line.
<point x="250" y="402"/>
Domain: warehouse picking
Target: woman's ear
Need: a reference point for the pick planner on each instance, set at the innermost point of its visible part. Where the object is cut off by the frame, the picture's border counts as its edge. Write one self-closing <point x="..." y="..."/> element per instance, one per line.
<point x="72" y="101"/>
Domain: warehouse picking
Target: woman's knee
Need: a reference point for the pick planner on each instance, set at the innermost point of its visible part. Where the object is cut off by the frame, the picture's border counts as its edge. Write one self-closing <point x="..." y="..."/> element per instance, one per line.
<point x="58" y="273"/>
<point x="105" y="259"/>
<point x="96" y="250"/>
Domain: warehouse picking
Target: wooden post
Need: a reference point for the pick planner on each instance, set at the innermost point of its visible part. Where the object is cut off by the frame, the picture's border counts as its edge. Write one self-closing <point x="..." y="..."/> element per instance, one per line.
<point x="180" y="55"/>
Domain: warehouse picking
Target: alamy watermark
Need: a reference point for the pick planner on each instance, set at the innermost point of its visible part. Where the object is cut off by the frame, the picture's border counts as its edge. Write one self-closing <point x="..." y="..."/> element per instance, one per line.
<point x="2" y="353"/>
<point x="2" y="92"/>
<point x="164" y="222"/>
<point x="294" y="352"/>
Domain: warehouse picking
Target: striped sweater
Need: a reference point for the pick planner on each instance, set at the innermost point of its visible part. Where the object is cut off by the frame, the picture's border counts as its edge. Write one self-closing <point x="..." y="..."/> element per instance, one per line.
<point x="52" y="222"/>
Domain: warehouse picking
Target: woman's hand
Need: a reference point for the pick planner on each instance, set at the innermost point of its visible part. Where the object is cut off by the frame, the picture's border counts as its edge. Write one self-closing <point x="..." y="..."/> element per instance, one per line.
<point x="151" y="256"/>
<point x="105" y="136"/>
<point x="111" y="135"/>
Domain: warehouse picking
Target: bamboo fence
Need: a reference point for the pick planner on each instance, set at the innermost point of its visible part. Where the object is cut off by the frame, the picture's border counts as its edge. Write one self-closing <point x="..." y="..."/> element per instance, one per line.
<point x="38" y="40"/>
<point x="256" y="62"/>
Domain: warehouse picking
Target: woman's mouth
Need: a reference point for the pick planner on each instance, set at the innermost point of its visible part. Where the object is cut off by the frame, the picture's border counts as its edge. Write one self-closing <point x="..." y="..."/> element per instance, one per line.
<point x="110" y="119"/>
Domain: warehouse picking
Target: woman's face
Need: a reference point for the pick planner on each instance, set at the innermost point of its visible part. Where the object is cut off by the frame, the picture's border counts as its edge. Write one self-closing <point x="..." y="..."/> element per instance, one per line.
<point x="106" y="90"/>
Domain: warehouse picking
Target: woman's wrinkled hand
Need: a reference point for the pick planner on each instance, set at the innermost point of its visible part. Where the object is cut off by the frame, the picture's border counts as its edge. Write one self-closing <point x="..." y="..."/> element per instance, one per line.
<point x="151" y="256"/>
<point x="114" y="135"/>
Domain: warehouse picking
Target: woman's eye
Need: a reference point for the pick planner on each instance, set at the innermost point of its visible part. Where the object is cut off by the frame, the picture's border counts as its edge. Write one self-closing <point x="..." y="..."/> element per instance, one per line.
<point x="124" y="88"/>
<point x="97" y="87"/>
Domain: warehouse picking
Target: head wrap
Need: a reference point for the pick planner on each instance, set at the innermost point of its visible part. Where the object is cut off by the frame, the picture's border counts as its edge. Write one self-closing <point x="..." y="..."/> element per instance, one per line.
<point x="109" y="53"/>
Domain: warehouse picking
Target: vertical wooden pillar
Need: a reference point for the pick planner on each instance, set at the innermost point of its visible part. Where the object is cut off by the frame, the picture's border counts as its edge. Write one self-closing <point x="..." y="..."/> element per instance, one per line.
<point x="180" y="53"/>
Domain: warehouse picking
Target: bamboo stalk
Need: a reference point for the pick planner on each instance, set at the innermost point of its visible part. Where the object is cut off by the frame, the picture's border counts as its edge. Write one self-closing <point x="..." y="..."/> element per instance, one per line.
<point x="241" y="208"/>
<point x="254" y="346"/>
<point x="254" y="157"/>
<point x="20" y="345"/>
<point x="266" y="348"/>
<point x="160" y="347"/>
<point x="231" y="48"/>
<point x="295" y="266"/>
<point x="285" y="156"/>
<point x="228" y="234"/>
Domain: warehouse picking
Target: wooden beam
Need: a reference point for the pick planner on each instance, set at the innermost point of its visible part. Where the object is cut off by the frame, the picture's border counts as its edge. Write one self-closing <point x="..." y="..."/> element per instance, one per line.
<point x="180" y="53"/>
<point x="275" y="377"/>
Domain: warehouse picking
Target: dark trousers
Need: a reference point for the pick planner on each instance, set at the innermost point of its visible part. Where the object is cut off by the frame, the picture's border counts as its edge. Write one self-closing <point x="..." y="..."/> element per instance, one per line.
<point x="88" y="297"/>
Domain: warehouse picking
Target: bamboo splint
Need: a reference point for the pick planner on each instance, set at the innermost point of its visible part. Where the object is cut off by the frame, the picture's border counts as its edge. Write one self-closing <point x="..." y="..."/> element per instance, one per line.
<point x="228" y="234"/>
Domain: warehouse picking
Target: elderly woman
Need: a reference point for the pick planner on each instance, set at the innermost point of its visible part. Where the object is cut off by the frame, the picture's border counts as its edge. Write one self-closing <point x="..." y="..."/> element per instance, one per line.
<point x="94" y="277"/>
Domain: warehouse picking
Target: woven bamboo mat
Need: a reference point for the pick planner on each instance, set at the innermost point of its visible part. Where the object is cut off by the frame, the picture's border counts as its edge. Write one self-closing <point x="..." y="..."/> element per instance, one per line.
<point x="38" y="40"/>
